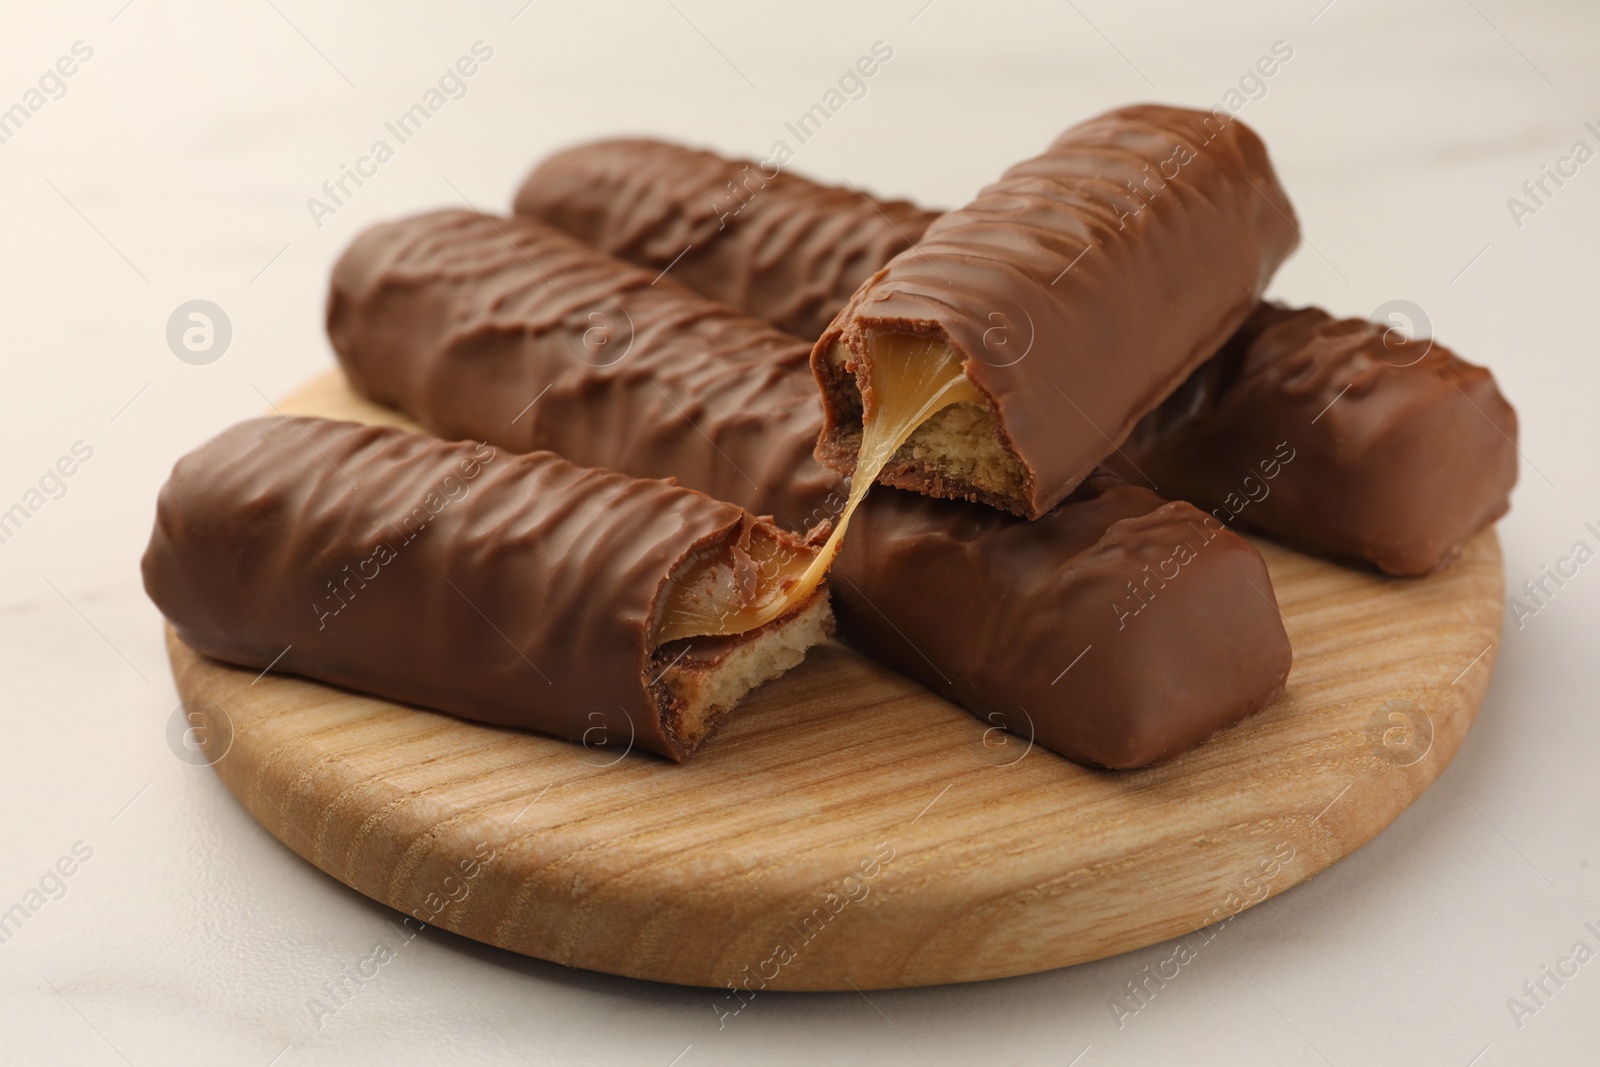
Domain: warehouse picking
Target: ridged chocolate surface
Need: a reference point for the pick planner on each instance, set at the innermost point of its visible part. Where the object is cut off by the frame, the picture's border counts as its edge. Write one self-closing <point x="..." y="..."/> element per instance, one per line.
<point x="917" y="578"/>
<point x="1118" y="629"/>
<point x="782" y="248"/>
<point x="1081" y="288"/>
<point x="511" y="332"/>
<point x="1398" y="451"/>
<point x="511" y="589"/>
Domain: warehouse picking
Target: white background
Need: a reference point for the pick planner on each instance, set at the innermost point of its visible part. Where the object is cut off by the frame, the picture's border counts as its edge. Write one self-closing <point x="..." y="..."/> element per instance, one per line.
<point x="177" y="166"/>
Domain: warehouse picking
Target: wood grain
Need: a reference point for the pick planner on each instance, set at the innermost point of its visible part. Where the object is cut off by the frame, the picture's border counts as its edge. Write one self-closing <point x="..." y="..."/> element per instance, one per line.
<point x="848" y="828"/>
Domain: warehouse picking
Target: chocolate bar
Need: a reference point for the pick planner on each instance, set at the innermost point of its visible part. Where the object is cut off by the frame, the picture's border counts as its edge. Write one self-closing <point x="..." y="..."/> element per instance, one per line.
<point x="776" y="246"/>
<point x="461" y="321"/>
<point x="1067" y="300"/>
<point x="424" y="315"/>
<point x="1339" y="436"/>
<point x="1118" y="629"/>
<point x="520" y="590"/>
<point x="1402" y="469"/>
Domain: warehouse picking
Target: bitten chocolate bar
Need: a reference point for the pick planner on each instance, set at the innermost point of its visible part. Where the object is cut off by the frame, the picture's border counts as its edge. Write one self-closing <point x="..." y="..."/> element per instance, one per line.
<point x="1339" y="436"/>
<point x="1119" y="629"/>
<point x="520" y="590"/>
<point x="1397" y="472"/>
<point x="447" y="317"/>
<point x="1074" y="294"/>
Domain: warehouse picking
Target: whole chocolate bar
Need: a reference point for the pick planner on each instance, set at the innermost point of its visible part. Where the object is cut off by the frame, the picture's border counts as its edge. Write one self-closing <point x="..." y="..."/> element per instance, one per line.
<point x="514" y="333"/>
<point x="1360" y="482"/>
<point x="913" y="571"/>
<point x="513" y="589"/>
<point x="1075" y="293"/>
<point x="1337" y="435"/>
<point x="779" y="247"/>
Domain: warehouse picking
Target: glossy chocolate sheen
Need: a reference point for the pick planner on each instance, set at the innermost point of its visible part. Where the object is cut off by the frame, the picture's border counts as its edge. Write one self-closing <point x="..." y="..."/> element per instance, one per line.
<point x="511" y="332"/>
<point x="1338" y="436"/>
<point x="779" y="247"/>
<point x="512" y="589"/>
<point x="1079" y="289"/>
<point x="1118" y="629"/>
<point x="904" y="553"/>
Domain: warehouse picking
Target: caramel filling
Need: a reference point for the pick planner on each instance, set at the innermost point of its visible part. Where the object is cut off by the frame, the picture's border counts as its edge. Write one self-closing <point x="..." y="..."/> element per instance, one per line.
<point x="910" y="379"/>
<point x="731" y="590"/>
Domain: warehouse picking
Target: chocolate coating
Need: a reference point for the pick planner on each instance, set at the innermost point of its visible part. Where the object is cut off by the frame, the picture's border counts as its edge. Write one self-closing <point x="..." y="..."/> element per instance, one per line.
<point x="1338" y="436"/>
<point x="512" y="589"/>
<point x="511" y="332"/>
<point x="1079" y="290"/>
<point x="781" y="248"/>
<point x="1118" y="629"/>
<point x="1051" y="586"/>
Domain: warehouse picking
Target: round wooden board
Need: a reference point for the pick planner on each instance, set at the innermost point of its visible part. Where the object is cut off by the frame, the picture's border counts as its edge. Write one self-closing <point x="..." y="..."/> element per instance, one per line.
<point x="849" y="829"/>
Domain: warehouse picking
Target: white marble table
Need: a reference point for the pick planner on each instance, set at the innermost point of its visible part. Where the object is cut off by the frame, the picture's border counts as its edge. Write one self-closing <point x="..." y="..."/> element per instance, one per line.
<point x="175" y="163"/>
